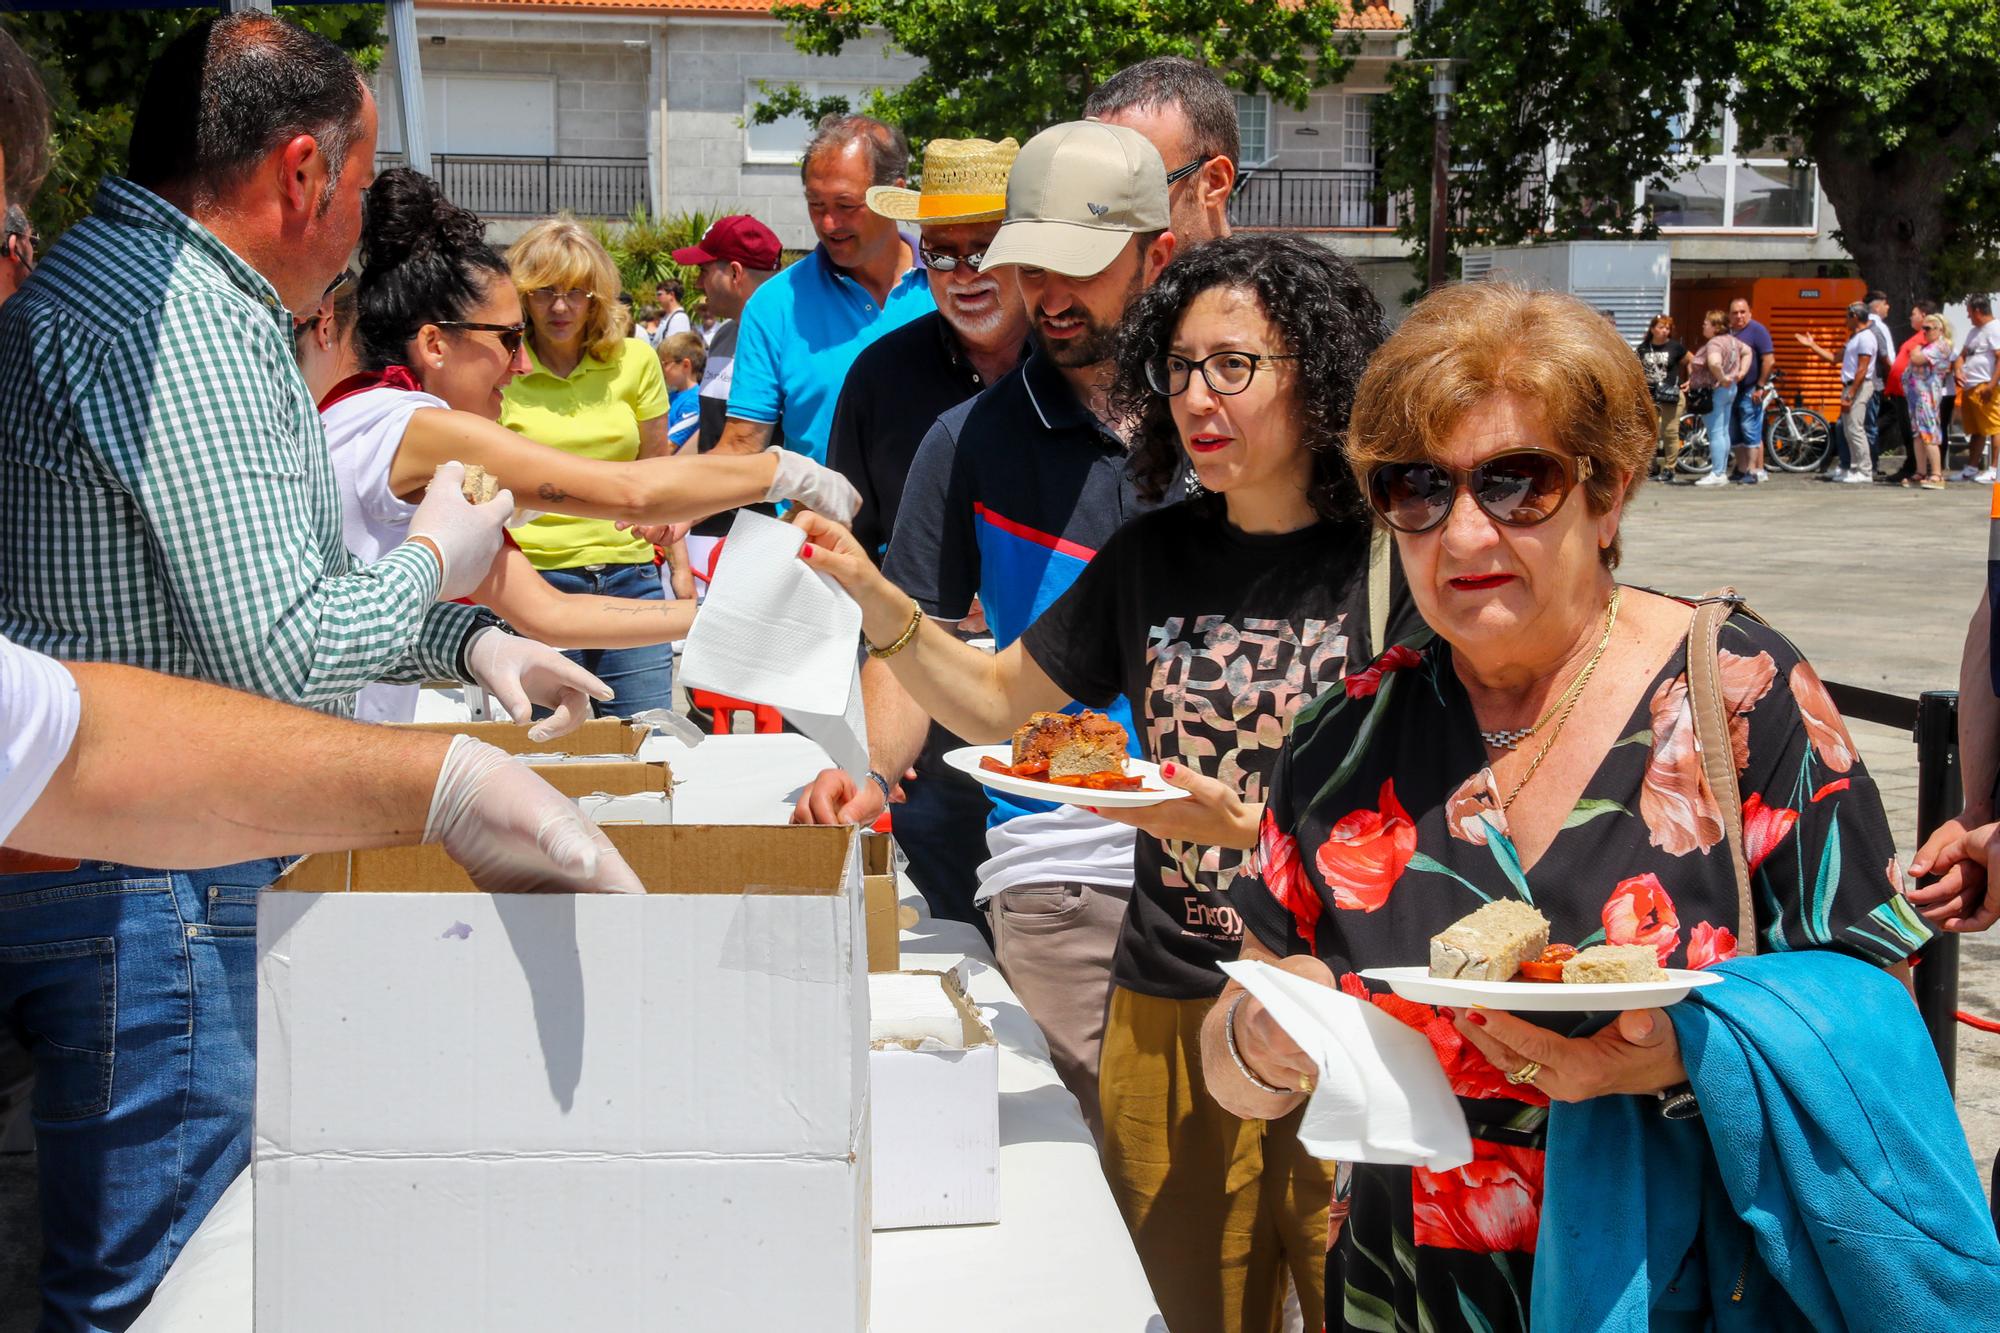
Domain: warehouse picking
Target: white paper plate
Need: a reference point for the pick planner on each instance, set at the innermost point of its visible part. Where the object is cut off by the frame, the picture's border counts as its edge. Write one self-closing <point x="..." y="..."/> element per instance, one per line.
<point x="966" y="760"/>
<point x="1540" y="997"/>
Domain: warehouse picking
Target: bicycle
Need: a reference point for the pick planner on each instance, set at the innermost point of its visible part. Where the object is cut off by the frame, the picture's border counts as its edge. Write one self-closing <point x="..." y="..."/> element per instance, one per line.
<point x="1795" y="438"/>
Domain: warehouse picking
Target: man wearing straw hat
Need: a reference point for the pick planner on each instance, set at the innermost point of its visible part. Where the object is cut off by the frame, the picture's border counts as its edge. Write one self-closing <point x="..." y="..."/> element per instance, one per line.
<point x="897" y="387"/>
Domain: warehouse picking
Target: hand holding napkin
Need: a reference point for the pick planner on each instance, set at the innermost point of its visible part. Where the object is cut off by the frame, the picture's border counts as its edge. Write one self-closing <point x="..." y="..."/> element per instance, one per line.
<point x="773" y="631"/>
<point x="1380" y="1094"/>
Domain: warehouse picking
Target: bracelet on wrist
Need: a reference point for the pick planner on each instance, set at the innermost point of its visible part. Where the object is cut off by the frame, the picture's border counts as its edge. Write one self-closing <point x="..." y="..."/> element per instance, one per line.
<point x="903" y="640"/>
<point x="1229" y="1039"/>
<point x="881" y="782"/>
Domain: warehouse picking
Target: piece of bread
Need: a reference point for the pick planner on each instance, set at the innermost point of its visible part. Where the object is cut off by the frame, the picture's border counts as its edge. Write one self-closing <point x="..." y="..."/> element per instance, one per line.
<point x="1614" y="963"/>
<point x="478" y="485"/>
<point x="1072" y="745"/>
<point x="1491" y="943"/>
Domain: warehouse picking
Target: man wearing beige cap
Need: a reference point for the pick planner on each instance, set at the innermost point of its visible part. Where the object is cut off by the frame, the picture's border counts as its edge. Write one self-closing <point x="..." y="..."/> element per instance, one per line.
<point x="1010" y="496"/>
<point x="896" y="388"/>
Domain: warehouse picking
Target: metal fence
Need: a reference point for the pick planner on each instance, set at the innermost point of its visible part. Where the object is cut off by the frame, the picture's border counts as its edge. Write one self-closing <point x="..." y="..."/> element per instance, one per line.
<point x="1294" y="198"/>
<point x="497" y="186"/>
<point x="1932" y="721"/>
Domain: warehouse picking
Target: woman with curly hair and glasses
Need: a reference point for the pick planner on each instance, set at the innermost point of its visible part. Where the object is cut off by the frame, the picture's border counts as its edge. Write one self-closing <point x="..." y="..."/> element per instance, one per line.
<point x="1219" y="617"/>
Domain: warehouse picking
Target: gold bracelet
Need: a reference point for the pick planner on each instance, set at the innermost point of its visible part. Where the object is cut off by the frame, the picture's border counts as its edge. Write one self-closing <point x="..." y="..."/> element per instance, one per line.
<point x="903" y="641"/>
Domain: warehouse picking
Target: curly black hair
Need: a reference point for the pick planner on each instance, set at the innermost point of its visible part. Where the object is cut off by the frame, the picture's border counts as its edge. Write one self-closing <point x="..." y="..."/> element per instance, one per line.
<point x="1328" y="318"/>
<point x="424" y="260"/>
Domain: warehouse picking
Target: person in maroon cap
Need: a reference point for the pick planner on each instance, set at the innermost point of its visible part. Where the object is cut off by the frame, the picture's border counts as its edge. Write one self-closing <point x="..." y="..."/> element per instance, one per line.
<point x="735" y="256"/>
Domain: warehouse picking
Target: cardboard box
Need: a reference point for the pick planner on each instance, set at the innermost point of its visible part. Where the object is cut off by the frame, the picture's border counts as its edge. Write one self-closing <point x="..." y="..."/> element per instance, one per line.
<point x="885" y="949"/>
<point x="655" y="807"/>
<point x="599" y="757"/>
<point x="934" y="1085"/>
<point x="553" y="1111"/>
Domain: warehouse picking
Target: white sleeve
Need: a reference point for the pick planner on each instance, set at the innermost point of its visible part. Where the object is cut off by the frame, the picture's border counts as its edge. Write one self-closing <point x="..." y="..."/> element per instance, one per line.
<point x="39" y="707"/>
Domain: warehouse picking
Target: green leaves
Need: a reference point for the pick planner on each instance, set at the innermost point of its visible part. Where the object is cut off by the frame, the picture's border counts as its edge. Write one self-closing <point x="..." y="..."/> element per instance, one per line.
<point x="1568" y="106"/>
<point x="994" y="69"/>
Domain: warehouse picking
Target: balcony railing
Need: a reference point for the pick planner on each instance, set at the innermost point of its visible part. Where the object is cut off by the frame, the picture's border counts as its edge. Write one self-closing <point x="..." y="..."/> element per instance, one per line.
<point x="497" y="186"/>
<point x="1286" y="198"/>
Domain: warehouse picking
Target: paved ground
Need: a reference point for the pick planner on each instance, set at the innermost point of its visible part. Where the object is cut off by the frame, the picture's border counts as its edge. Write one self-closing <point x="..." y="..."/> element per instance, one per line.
<point x="1874" y="584"/>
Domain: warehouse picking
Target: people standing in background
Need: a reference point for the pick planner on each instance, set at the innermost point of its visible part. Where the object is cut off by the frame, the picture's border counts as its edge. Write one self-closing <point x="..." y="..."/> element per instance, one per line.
<point x="673" y="316"/>
<point x="648" y="326"/>
<point x="1924" y="375"/>
<point x="735" y="257"/>
<point x="1665" y="360"/>
<point x="895" y="391"/>
<point x="1187" y="112"/>
<point x="804" y="328"/>
<point x="708" y="325"/>
<point x="1857" y="362"/>
<point x="1978" y="412"/>
<point x="683" y="356"/>
<point x="589" y="390"/>
<point x="1721" y="363"/>
<point x="1897" y="426"/>
<point x="1746" y="426"/>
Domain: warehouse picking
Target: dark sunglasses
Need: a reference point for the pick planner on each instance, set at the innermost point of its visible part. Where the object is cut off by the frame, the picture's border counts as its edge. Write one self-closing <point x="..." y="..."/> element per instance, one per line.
<point x="341" y="282"/>
<point x="1180" y="174"/>
<point x="510" y="334"/>
<point x="1520" y="488"/>
<point x="943" y="263"/>
<point x="18" y="228"/>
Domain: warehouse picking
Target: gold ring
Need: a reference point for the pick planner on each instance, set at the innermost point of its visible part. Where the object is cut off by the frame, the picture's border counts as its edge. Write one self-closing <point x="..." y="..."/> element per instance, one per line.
<point x="1526" y="1073"/>
<point x="1305" y="1082"/>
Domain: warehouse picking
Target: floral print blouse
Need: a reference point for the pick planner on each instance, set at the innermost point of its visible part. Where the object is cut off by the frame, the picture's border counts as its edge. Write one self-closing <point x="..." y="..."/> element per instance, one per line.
<point x="1924" y="381"/>
<point x="1384" y="826"/>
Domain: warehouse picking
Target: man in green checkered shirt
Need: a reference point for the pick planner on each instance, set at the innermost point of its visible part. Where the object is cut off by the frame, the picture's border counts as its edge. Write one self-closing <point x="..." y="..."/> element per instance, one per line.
<point x="172" y="506"/>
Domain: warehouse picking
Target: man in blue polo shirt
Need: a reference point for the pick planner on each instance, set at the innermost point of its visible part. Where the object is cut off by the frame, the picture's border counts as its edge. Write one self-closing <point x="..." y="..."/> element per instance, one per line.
<point x="804" y="327"/>
<point x="1010" y="495"/>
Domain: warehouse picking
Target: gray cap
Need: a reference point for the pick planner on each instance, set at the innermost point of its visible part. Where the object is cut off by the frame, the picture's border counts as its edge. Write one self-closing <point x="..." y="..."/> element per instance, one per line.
<point x="1077" y="193"/>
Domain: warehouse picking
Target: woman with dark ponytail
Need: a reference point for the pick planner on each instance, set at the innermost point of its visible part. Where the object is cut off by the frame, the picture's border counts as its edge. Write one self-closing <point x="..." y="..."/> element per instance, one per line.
<point x="408" y="363"/>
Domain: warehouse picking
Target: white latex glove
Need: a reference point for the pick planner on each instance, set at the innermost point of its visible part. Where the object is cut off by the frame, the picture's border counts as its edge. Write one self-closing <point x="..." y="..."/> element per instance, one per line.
<point x="817" y="488"/>
<point x="467" y="536"/>
<point x="513" y="832"/>
<point x="523" y="674"/>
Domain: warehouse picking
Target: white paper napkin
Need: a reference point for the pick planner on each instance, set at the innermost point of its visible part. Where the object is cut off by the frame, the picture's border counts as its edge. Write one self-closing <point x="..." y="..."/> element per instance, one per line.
<point x="1381" y="1095"/>
<point x="774" y="632"/>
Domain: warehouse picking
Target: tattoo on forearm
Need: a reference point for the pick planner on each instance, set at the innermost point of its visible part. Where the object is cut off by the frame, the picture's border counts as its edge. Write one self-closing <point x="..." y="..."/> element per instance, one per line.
<point x="550" y="491"/>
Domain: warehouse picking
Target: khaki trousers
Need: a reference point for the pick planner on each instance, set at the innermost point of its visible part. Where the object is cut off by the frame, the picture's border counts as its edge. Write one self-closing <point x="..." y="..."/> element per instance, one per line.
<point x="1054" y="944"/>
<point x="1221" y="1210"/>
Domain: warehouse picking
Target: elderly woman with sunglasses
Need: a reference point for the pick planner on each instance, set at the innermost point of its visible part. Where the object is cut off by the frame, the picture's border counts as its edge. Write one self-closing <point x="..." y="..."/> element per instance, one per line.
<point x="408" y="363"/>
<point x="1538" y="747"/>
<point x="1217" y="617"/>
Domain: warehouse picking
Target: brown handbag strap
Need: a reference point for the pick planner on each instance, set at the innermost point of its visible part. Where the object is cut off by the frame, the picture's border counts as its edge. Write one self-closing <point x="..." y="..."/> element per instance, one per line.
<point x="1718" y="756"/>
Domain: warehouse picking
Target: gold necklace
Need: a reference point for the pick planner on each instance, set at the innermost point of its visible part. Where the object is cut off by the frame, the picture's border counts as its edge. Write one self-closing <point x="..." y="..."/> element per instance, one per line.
<point x="1569" y="700"/>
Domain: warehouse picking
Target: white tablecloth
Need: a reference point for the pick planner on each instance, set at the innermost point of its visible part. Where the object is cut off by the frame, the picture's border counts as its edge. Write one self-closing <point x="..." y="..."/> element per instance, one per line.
<point x="1059" y="1260"/>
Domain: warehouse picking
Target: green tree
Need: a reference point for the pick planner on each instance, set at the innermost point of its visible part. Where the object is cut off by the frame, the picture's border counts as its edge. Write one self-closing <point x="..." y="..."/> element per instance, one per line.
<point x="1013" y="67"/>
<point x="94" y="65"/>
<point x="1897" y="103"/>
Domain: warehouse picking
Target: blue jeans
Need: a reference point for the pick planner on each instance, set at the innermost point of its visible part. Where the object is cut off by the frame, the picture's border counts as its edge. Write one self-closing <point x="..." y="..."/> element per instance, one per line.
<point x="1718" y="428"/>
<point x="642" y="677"/>
<point x="1746" y="422"/>
<point x="136" y="993"/>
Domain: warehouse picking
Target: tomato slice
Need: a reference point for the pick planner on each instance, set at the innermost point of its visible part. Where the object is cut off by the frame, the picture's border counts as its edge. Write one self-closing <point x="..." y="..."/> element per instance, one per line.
<point x="1537" y="970"/>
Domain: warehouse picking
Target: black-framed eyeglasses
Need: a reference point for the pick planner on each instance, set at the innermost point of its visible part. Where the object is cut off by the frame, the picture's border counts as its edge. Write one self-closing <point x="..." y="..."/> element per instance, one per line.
<point x="548" y="296"/>
<point x="1520" y="488"/>
<point x="1180" y="174"/>
<point x="510" y="334"/>
<point x="943" y="263"/>
<point x="1226" y="373"/>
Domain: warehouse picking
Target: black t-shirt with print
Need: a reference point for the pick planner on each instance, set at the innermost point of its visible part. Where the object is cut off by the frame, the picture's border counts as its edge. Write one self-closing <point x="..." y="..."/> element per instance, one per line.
<point x="1217" y="636"/>
<point x="1662" y="364"/>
